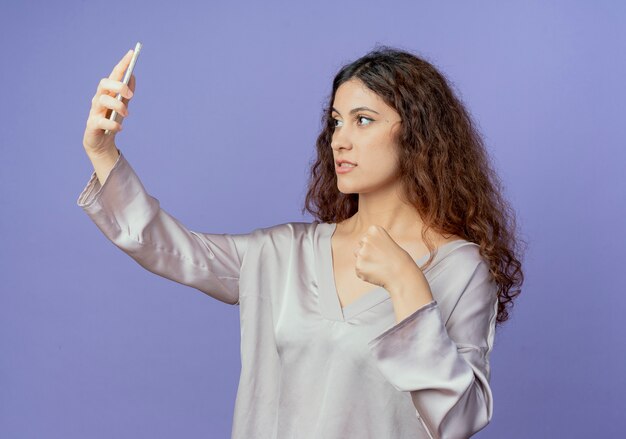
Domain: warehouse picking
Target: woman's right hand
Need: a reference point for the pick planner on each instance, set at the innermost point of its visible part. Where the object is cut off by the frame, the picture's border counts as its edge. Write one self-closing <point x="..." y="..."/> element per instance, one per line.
<point x="103" y="103"/>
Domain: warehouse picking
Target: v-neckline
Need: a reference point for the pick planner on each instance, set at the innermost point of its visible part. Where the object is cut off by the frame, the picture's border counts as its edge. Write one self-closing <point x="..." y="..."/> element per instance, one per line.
<point x="329" y="297"/>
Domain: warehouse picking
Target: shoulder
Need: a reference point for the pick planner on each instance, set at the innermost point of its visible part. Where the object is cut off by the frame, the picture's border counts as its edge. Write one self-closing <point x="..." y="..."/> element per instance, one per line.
<point x="459" y="263"/>
<point x="292" y="228"/>
<point x="464" y="254"/>
<point x="459" y="255"/>
<point x="462" y="283"/>
<point x="470" y="271"/>
<point x="286" y="234"/>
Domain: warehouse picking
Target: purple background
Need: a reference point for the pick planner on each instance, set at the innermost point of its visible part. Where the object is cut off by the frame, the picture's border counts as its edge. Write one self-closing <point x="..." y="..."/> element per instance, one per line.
<point x="222" y="129"/>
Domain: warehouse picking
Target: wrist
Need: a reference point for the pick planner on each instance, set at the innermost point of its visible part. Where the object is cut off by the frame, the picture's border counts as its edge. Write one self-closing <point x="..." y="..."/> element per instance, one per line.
<point x="108" y="153"/>
<point x="408" y="280"/>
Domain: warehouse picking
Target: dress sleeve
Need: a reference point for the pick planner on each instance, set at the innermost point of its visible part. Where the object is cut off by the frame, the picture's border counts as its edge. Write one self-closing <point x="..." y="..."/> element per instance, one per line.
<point x="445" y="365"/>
<point x="134" y="222"/>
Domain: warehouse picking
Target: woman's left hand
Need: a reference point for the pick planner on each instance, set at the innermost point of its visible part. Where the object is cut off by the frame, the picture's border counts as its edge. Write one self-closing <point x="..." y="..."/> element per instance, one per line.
<point x="381" y="261"/>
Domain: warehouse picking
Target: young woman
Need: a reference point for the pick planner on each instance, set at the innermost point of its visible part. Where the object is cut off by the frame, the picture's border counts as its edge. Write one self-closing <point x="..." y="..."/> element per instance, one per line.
<point x="377" y="319"/>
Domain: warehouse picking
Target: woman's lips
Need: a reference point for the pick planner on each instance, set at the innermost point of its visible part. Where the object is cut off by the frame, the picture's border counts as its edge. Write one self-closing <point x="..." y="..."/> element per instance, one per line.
<point x="344" y="169"/>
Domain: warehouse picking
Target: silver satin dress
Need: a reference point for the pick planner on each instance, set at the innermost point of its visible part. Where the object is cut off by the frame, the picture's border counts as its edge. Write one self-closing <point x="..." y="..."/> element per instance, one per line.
<point x="311" y="369"/>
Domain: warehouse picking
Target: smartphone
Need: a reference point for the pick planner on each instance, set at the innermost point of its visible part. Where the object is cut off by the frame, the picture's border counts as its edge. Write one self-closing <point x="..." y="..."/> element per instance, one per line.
<point x="129" y="71"/>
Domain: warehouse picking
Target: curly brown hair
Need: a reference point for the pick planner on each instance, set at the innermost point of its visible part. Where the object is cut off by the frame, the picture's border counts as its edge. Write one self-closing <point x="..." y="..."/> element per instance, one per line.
<point x="444" y="167"/>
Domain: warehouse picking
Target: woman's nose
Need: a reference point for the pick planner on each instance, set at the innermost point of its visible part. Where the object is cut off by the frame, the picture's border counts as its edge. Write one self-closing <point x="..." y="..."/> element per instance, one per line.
<point x="340" y="140"/>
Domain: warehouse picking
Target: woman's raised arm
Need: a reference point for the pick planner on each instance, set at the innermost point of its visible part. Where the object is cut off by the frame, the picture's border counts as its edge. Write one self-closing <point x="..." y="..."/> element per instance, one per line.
<point x="117" y="202"/>
<point x="134" y="221"/>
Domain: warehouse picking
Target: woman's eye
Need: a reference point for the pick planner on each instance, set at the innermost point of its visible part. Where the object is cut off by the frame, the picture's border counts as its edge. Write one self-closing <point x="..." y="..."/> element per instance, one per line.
<point x="357" y="118"/>
<point x="366" y="118"/>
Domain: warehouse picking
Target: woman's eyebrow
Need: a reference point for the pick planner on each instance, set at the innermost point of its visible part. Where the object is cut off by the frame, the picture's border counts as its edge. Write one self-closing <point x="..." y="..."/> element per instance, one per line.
<point x="354" y="110"/>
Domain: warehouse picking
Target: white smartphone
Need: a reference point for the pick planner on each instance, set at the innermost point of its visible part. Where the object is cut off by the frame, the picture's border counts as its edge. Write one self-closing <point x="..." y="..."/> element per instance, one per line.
<point x="129" y="71"/>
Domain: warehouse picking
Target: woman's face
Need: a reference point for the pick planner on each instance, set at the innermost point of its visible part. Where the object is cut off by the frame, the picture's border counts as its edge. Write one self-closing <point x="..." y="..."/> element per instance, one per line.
<point x="364" y="131"/>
